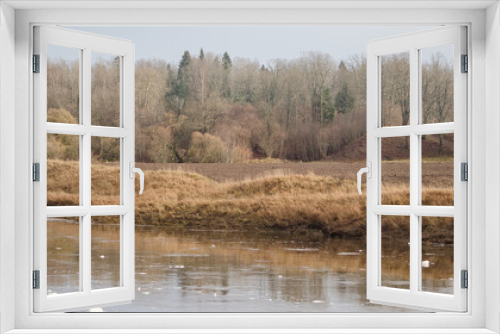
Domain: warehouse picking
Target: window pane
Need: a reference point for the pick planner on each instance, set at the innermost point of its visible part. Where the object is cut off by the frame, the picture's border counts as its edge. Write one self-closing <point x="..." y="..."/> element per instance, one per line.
<point x="437" y="84"/>
<point x="395" y="261"/>
<point x="63" y="84"/>
<point x="63" y="170"/>
<point x="395" y="79"/>
<point x="437" y="254"/>
<point x="395" y="171"/>
<point x="437" y="169"/>
<point x="63" y="255"/>
<point x="105" y="252"/>
<point x="105" y="171"/>
<point x="105" y="89"/>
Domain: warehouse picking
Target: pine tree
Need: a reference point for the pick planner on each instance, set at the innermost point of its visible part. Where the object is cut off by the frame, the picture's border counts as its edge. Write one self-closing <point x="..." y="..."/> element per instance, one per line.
<point x="226" y="61"/>
<point x="185" y="60"/>
<point x="179" y="87"/>
<point x="227" y="64"/>
<point x="342" y="66"/>
<point x="344" y="101"/>
<point x="202" y="54"/>
<point x="184" y="76"/>
<point x="327" y="105"/>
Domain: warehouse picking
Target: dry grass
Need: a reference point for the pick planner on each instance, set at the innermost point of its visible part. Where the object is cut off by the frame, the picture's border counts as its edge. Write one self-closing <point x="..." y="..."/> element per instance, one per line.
<point x="269" y="161"/>
<point x="298" y="203"/>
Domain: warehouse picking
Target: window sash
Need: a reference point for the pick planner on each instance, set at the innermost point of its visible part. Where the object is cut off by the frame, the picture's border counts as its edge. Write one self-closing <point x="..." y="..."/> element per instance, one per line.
<point x="413" y="43"/>
<point x="86" y="297"/>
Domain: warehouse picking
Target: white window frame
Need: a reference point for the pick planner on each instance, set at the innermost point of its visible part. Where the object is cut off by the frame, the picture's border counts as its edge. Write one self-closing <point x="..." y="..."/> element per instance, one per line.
<point x="413" y="44"/>
<point x="483" y="307"/>
<point x="85" y="43"/>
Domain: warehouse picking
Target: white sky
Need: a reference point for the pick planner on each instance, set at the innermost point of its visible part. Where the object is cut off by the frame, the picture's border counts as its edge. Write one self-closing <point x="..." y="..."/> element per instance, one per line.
<point x="261" y="43"/>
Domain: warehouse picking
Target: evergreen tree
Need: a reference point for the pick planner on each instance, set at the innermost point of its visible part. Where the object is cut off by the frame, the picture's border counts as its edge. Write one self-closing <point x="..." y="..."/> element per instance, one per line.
<point x="226" y="61"/>
<point x="227" y="64"/>
<point x="344" y="101"/>
<point x="170" y="94"/>
<point x="171" y="81"/>
<point x="184" y="76"/>
<point x="202" y="54"/>
<point x="185" y="60"/>
<point x="179" y="87"/>
<point x="327" y="105"/>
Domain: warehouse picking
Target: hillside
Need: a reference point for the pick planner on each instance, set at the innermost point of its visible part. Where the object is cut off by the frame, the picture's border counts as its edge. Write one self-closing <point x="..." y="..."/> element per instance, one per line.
<point x="295" y="203"/>
<point x="394" y="149"/>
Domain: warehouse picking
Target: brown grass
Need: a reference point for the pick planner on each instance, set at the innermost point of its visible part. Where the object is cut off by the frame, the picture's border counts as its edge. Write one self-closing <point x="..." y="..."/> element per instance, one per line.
<point x="297" y="203"/>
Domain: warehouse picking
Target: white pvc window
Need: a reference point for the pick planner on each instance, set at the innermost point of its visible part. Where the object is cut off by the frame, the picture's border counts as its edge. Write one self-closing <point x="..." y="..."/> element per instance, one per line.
<point x="24" y="243"/>
<point x="412" y="207"/>
<point x="81" y="130"/>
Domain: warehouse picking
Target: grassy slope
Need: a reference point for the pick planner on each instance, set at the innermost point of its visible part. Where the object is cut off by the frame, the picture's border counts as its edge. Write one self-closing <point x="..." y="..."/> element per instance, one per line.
<point x="298" y="203"/>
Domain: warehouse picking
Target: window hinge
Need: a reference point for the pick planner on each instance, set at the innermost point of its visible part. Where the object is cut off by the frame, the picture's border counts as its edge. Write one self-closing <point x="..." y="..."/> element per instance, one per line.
<point x="465" y="279"/>
<point x="465" y="63"/>
<point x="36" y="172"/>
<point x="36" y="63"/>
<point x="464" y="168"/>
<point x="36" y="279"/>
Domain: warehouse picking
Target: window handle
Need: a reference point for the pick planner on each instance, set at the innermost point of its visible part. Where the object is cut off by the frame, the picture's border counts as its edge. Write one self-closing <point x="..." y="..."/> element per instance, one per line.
<point x="368" y="171"/>
<point x="132" y="171"/>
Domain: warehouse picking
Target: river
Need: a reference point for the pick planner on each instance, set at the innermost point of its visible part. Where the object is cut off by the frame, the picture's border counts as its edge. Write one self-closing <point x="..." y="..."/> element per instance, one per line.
<point x="184" y="270"/>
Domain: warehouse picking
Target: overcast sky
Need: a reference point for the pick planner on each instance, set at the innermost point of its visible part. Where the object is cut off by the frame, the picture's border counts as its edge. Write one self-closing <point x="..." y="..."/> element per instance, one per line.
<point x="261" y="43"/>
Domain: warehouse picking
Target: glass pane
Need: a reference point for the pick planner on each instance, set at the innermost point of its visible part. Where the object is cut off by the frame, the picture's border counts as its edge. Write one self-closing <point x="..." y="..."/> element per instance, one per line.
<point x="437" y="254"/>
<point x="105" y="171"/>
<point x="105" y="89"/>
<point x="395" y="170"/>
<point x="437" y="169"/>
<point x="395" y="271"/>
<point x="63" y="170"/>
<point x="63" y="255"/>
<point x="63" y="84"/>
<point x="437" y="84"/>
<point x="105" y="252"/>
<point x="395" y="80"/>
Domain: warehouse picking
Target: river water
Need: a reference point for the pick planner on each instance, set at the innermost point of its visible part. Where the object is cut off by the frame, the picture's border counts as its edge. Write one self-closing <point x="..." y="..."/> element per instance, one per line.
<point x="183" y="270"/>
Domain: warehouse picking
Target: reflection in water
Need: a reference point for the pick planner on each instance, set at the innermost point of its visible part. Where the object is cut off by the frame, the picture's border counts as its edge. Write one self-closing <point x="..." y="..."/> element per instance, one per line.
<point x="105" y="255"/>
<point x="433" y="263"/>
<point x="63" y="260"/>
<point x="395" y="260"/>
<point x="181" y="270"/>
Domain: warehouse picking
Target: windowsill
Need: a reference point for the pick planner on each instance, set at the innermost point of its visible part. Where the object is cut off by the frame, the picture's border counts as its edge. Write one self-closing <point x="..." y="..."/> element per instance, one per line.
<point x="249" y="331"/>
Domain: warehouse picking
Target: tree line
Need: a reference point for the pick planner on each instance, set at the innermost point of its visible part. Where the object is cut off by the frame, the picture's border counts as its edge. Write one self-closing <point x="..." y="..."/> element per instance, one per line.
<point x="213" y="108"/>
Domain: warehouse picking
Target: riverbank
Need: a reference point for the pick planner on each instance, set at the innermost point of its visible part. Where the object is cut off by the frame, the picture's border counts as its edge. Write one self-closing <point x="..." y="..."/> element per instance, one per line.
<point x="310" y="203"/>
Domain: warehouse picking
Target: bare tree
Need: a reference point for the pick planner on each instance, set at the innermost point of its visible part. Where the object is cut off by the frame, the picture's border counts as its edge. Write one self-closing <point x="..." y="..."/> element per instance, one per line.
<point x="437" y="91"/>
<point x="395" y="79"/>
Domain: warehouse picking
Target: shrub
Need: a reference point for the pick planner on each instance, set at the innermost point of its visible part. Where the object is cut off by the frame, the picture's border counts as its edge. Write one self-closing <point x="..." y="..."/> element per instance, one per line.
<point x="60" y="116"/>
<point x="208" y="148"/>
<point x="62" y="147"/>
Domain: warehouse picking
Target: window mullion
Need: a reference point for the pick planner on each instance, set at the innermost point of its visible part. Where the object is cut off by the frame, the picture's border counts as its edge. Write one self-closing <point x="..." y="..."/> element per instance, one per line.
<point x="86" y="180"/>
<point x="414" y="172"/>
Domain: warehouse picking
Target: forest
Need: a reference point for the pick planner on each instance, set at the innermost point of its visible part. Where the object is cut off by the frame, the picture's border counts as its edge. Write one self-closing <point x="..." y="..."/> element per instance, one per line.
<point x="214" y="108"/>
